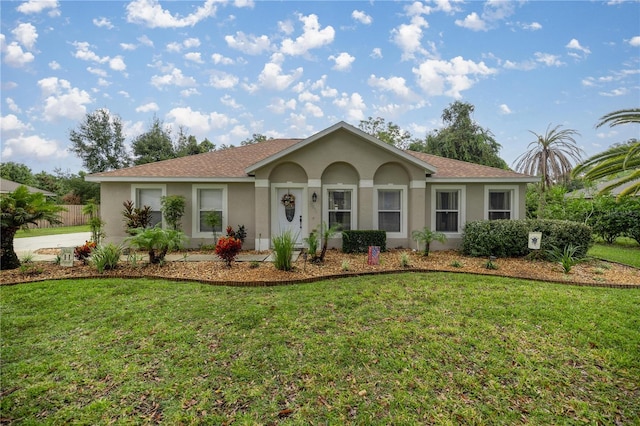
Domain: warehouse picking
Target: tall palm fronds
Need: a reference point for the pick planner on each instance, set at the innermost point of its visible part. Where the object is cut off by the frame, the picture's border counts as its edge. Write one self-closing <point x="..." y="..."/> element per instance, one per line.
<point x="550" y="156"/>
<point x="616" y="160"/>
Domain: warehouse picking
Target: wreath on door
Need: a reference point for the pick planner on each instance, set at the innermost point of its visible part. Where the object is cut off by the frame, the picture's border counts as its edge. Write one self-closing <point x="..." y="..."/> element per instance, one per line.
<point x="289" y="202"/>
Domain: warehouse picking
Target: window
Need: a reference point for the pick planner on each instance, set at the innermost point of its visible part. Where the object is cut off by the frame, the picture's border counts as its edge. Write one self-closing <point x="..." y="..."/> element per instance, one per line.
<point x="340" y="208"/>
<point x="147" y="195"/>
<point x="208" y="201"/>
<point x="501" y="202"/>
<point x="447" y="210"/>
<point x="499" y="205"/>
<point x="391" y="217"/>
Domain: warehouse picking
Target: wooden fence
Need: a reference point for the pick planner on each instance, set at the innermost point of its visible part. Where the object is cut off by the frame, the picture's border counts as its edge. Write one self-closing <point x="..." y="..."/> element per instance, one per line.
<point x="72" y="217"/>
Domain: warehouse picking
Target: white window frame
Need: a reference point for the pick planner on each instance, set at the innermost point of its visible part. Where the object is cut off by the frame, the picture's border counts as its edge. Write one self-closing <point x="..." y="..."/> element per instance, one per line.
<point x="462" y="202"/>
<point x="514" y="200"/>
<point x="354" y="203"/>
<point x="195" y="213"/>
<point x="134" y="195"/>
<point x="404" y="207"/>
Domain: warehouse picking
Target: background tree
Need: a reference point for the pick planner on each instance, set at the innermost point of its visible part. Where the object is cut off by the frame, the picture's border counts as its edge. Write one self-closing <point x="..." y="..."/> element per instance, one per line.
<point x="17" y="172"/>
<point x="255" y="138"/>
<point x="153" y="145"/>
<point x="188" y="145"/>
<point x="387" y="132"/>
<point x="19" y="209"/>
<point x="462" y="139"/>
<point x="99" y="143"/>
<point x="550" y="156"/>
<point x="621" y="161"/>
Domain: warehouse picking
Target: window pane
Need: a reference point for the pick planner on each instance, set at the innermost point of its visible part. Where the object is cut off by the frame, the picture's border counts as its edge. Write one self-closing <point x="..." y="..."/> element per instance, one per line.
<point x="210" y="199"/>
<point x="499" y="215"/>
<point x="341" y="218"/>
<point x="389" y="199"/>
<point x="499" y="200"/>
<point x="447" y="200"/>
<point x="389" y="221"/>
<point x="447" y="221"/>
<point x="207" y="228"/>
<point x="340" y="200"/>
<point x="149" y="197"/>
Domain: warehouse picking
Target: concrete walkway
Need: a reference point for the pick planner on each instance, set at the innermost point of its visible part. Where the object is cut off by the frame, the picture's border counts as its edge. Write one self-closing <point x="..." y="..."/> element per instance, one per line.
<point x="28" y="246"/>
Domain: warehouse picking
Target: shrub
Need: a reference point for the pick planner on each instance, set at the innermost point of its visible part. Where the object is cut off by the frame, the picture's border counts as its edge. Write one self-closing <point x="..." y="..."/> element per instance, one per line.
<point x="157" y="242"/>
<point x="172" y="207"/>
<point x="227" y="249"/>
<point x="283" y="246"/>
<point x="426" y="236"/>
<point x="509" y="238"/>
<point x="239" y="234"/>
<point x="312" y="243"/>
<point x="404" y="260"/>
<point x="359" y="241"/>
<point x="136" y="217"/>
<point x="106" y="257"/>
<point x="83" y="252"/>
<point x="566" y="257"/>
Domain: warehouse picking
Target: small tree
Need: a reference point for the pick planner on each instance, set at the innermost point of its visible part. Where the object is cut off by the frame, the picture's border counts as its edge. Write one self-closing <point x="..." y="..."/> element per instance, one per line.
<point x="95" y="223"/>
<point x="326" y="232"/>
<point x="227" y="249"/>
<point x="19" y="209"/>
<point x="157" y="242"/>
<point x="426" y="236"/>
<point x="214" y="220"/>
<point x="173" y="209"/>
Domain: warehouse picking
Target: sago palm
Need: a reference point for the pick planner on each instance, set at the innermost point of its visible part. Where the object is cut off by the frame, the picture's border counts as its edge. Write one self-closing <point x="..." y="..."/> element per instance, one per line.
<point x="621" y="159"/>
<point x="550" y="156"/>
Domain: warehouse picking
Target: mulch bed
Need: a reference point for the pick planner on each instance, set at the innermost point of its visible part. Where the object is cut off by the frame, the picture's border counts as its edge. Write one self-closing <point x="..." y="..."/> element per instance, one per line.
<point x="337" y="264"/>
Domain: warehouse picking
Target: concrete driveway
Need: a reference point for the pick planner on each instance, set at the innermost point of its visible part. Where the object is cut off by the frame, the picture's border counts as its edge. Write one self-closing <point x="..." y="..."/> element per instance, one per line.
<point x="26" y="245"/>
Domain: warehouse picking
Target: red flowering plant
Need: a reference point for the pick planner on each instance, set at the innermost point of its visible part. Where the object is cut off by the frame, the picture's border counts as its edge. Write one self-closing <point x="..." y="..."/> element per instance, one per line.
<point x="227" y="248"/>
<point x="84" y="251"/>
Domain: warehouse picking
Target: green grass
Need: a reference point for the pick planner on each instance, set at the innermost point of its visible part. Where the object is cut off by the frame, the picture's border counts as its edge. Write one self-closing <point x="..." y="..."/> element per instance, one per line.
<point x="39" y="232"/>
<point x="389" y="349"/>
<point x="624" y="250"/>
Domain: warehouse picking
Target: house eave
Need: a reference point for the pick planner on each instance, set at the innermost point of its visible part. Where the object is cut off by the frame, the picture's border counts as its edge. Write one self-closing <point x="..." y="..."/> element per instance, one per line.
<point x="462" y="179"/>
<point x="139" y="179"/>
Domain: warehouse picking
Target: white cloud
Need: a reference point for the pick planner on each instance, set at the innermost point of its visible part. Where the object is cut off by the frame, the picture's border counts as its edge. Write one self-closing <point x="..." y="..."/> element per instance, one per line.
<point x="361" y="17"/>
<point x="84" y="53"/>
<point x="151" y="106"/>
<point x="151" y="14"/>
<point x="11" y="123"/>
<point x="635" y="41"/>
<point x="286" y="27"/>
<point x="14" y="56"/>
<point x="615" y="92"/>
<point x="409" y="37"/>
<point x="12" y="105"/>
<point x="191" y="42"/>
<point x="102" y="22"/>
<point x="504" y="109"/>
<point x="249" y="44"/>
<point x="124" y="94"/>
<point x="37" y="6"/>
<point x="33" y="147"/>
<point x="97" y="71"/>
<point x="194" y="57"/>
<point x="376" y="53"/>
<point x="575" y="45"/>
<point x="128" y="46"/>
<point x="548" y="59"/>
<point x="54" y="65"/>
<point x="62" y="100"/>
<point x="395" y="85"/>
<point x="26" y="35"/>
<point x="189" y="92"/>
<point x="219" y="59"/>
<point x="117" y="64"/>
<point x="230" y="102"/>
<point x="342" y="62"/>
<point x="146" y="41"/>
<point x="223" y="80"/>
<point x="439" y="77"/>
<point x="279" y="105"/>
<point x="353" y="106"/>
<point x="272" y="77"/>
<point x="313" y="110"/>
<point x="472" y="22"/>
<point x="312" y="37"/>
<point x="175" y="78"/>
<point x="174" y="47"/>
<point x="197" y="122"/>
<point x="534" y="26"/>
<point x="307" y="96"/>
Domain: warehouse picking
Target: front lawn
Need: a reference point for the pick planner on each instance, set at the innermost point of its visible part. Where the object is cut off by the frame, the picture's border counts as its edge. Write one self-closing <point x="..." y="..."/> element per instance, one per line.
<point x="624" y="250"/>
<point x="387" y="349"/>
<point x="40" y="232"/>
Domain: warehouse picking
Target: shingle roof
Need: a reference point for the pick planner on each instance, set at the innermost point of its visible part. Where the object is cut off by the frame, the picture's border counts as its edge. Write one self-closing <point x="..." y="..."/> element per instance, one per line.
<point x="231" y="164"/>
<point x="7" y="186"/>
<point x="449" y="168"/>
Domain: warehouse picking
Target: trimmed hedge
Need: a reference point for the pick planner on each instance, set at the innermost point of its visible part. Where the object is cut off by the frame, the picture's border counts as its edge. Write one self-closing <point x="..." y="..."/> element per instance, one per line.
<point x="359" y="241"/>
<point x="510" y="238"/>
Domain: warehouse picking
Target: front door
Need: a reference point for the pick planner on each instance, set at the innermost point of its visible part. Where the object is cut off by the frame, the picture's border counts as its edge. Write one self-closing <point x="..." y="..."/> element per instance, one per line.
<point x="289" y="213"/>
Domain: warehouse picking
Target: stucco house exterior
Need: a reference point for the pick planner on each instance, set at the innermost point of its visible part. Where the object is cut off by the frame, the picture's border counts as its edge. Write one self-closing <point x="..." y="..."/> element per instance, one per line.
<point x="340" y="175"/>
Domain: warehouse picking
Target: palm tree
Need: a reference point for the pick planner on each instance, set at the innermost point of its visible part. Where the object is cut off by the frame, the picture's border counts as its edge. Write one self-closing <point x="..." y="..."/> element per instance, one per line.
<point x="550" y="155"/>
<point x="619" y="159"/>
<point x="19" y="209"/>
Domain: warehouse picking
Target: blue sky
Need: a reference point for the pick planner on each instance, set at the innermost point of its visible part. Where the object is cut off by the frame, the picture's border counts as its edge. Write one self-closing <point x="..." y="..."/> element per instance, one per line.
<point x="228" y="69"/>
